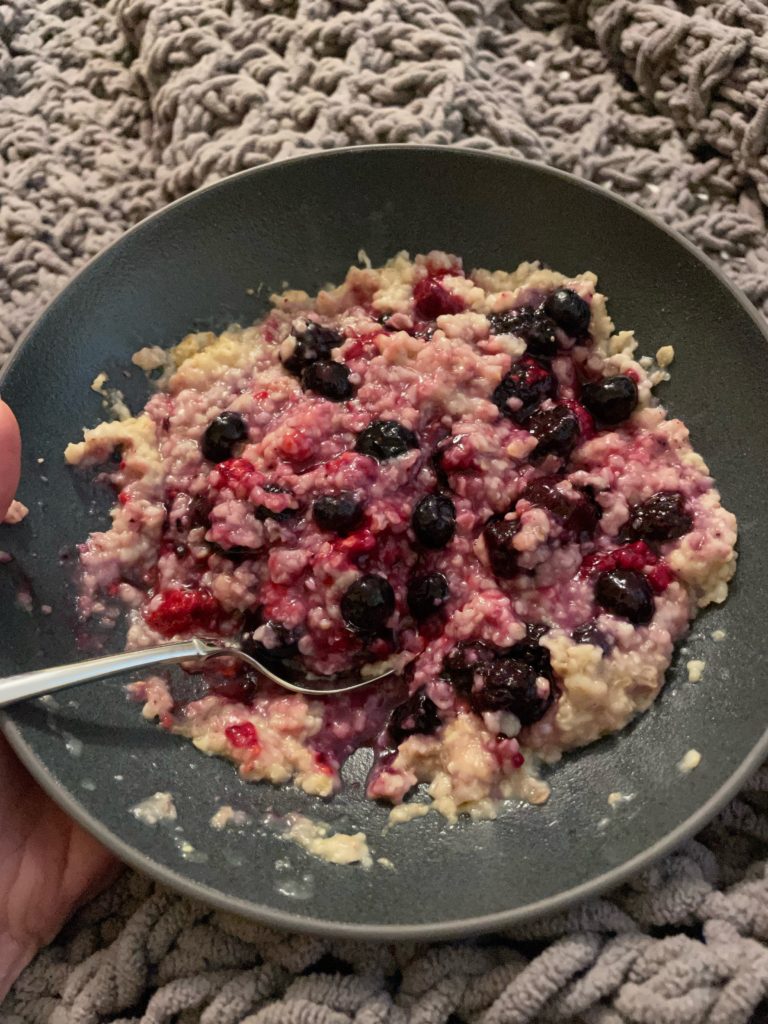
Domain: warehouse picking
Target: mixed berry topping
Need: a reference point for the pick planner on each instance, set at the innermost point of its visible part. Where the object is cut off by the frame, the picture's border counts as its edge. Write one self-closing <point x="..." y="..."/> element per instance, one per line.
<point x="242" y="735"/>
<point x="281" y="508"/>
<point x="339" y="513"/>
<point x="434" y="521"/>
<point x="417" y="716"/>
<point x="610" y="400"/>
<point x="181" y="611"/>
<point x="518" y="680"/>
<point x="426" y="595"/>
<point x="432" y="299"/>
<point x="368" y="604"/>
<point x="627" y="593"/>
<point x="466" y="662"/>
<point x="557" y="431"/>
<point x="525" y="387"/>
<point x="329" y="379"/>
<point x="513" y="685"/>
<point x="385" y="439"/>
<point x="662" y="517"/>
<point x="569" y="311"/>
<point x="499" y="534"/>
<point x="578" y="515"/>
<point x="532" y="325"/>
<point x="221" y="435"/>
<point x="313" y="343"/>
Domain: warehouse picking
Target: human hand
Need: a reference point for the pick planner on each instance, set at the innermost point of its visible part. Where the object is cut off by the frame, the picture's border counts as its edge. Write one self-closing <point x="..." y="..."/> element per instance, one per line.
<point x="48" y="865"/>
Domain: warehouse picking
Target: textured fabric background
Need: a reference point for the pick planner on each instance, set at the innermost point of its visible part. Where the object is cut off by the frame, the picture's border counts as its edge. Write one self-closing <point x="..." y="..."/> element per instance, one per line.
<point x="110" y="109"/>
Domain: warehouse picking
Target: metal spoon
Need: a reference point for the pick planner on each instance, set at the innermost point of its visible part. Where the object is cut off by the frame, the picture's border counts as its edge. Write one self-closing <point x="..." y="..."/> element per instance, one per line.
<point x="47" y="680"/>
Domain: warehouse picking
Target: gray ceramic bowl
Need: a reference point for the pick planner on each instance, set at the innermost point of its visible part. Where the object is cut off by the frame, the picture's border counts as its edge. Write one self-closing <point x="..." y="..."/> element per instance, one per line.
<point x="303" y="221"/>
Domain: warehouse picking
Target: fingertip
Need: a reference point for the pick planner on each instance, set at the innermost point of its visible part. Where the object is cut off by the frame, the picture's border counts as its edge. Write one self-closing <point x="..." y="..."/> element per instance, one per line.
<point x="10" y="457"/>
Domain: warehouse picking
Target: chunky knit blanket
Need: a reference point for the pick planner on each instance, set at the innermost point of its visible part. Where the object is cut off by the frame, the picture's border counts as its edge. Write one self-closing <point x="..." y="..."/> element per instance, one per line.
<point x="110" y="108"/>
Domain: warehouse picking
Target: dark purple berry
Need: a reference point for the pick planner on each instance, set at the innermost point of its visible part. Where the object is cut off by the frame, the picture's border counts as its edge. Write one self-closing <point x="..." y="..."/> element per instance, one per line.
<point x="662" y="517"/>
<point x="569" y="311"/>
<point x="329" y="379"/>
<point x="368" y="604"/>
<point x="417" y="716"/>
<point x="557" y="431"/>
<point x="579" y="515"/>
<point x="281" y="512"/>
<point x="426" y="594"/>
<point x="313" y="342"/>
<point x="534" y="654"/>
<point x="526" y="385"/>
<point x="625" y="592"/>
<point x="514" y="686"/>
<point x="339" y="513"/>
<point x="431" y="299"/>
<point x="533" y="326"/>
<point x="499" y="534"/>
<point x="466" y="662"/>
<point x="535" y="630"/>
<point x="385" y="439"/>
<point x="434" y="521"/>
<point x="590" y="633"/>
<point x="278" y="641"/>
<point x="221" y="435"/>
<point x="610" y="400"/>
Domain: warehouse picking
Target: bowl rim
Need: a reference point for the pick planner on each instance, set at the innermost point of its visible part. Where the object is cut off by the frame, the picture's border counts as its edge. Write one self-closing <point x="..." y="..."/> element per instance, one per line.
<point x="287" y="920"/>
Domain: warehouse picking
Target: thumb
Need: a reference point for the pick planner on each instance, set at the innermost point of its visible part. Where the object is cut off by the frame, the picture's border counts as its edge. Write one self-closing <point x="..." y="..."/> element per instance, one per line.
<point x="10" y="457"/>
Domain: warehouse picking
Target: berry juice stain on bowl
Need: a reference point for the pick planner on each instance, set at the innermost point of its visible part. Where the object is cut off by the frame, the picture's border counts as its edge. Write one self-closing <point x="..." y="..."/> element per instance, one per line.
<point x="465" y="475"/>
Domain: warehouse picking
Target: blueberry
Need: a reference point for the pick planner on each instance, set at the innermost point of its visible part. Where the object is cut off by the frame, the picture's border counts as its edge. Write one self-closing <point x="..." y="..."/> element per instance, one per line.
<point x="625" y="592"/>
<point x="526" y="385"/>
<point x="499" y="534"/>
<point x="426" y="594"/>
<point x="368" y="604"/>
<point x="535" y="630"/>
<point x="434" y="521"/>
<point x="313" y="342"/>
<point x="339" y="513"/>
<point x="544" y="493"/>
<point x="534" y="654"/>
<point x="263" y="512"/>
<point x="385" y="439"/>
<point x="514" y="686"/>
<point x="533" y="326"/>
<point x="221" y="435"/>
<point x="590" y="633"/>
<point x="417" y="716"/>
<point x="579" y="515"/>
<point x="569" y="311"/>
<point x="329" y="379"/>
<point x="662" y="517"/>
<point x="280" y="641"/>
<point x="466" y="662"/>
<point x="557" y="431"/>
<point x="610" y="400"/>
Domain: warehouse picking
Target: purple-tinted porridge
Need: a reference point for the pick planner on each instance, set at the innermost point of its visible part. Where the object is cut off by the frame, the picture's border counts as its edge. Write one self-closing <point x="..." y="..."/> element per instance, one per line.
<point x="463" y="475"/>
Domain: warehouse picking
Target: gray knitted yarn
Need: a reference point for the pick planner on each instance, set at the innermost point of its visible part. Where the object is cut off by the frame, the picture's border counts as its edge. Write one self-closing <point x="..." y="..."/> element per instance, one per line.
<point x="108" y="110"/>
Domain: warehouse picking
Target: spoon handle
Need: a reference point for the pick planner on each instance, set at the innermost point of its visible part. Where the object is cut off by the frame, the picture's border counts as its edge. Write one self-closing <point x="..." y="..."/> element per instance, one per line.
<point x="47" y="680"/>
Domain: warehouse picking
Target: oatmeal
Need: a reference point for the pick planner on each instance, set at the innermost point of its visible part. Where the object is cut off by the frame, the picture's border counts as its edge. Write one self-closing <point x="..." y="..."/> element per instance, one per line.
<point x="463" y="475"/>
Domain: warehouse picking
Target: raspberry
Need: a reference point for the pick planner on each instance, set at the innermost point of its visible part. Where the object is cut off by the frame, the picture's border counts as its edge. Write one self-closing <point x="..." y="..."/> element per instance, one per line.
<point x="238" y="475"/>
<point x="243" y="735"/>
<point x="180" y="610"/>
<point x="431" y="299"/>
